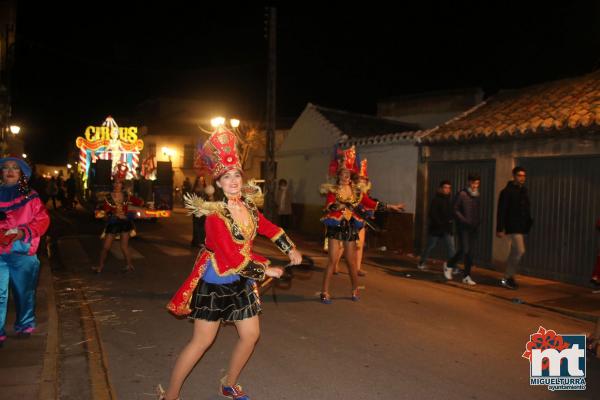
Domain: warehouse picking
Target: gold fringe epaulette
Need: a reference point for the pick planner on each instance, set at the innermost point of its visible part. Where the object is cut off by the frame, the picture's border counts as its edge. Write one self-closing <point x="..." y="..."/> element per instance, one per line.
<point x="326" y="188"/>
<point x="199" y="207"/>
<point x="364" y="187"/>
<point x="333" y="188"/>
<point x="253" y="192"/>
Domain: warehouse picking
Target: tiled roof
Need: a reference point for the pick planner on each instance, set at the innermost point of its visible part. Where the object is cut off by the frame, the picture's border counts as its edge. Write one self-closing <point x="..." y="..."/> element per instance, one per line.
<point x="568" y="105"/>
<point x="360" y="127"/>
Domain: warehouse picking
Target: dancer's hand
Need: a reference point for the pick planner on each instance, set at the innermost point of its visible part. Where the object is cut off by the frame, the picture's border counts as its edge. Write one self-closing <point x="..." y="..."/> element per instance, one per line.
<point x="295" y="257"/>
<point x="20" y="235"/>
<point x="9" y="239"/>
<point x="396" y="207"/>
<point x="274" y="272"/>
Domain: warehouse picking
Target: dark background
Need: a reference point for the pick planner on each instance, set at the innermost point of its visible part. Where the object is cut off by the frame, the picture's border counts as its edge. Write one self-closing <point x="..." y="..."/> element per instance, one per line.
<point x="76" y="64"/>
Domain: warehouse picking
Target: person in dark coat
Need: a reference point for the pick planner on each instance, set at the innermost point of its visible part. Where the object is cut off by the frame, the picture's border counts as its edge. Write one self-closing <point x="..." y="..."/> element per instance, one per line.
<point x="71" y="186"/>
<point x="467" y="211"/>
<point x="441" y="218"/>
<point x="514" y="222"/>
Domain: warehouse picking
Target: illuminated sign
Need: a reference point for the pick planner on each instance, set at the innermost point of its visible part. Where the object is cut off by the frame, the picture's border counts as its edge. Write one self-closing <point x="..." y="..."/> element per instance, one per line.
<point x="127" y="135"/>
<point x="110" y="142"/>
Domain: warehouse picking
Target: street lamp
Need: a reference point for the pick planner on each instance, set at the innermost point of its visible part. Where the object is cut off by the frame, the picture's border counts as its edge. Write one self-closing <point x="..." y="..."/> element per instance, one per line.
<point x="234" y="122"/>
<point x="217" y="121"/>
<point x="24" y="155"/>
<point x="168" y="152"/>
<point x="15" y="129"/>
<point x="69" y="166"/>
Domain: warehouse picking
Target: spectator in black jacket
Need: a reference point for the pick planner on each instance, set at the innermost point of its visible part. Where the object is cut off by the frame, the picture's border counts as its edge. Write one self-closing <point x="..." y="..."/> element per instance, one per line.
<point x="467" y="211"/>
<point x="441" y="216"/>
<point x="514" y="222"/>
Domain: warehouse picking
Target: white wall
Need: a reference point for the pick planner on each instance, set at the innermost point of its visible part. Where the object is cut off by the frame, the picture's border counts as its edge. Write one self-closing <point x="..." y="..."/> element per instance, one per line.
<point x="393" y="172"/>
<point x="303" y="159"/>
<point x="305" y="155"/>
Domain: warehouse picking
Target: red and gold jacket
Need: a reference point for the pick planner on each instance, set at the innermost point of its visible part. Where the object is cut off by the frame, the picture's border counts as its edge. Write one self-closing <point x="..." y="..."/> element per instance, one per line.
<point x="119" y="210"/>
<point x="353" y="208"/>
<point x="229" y="250"/>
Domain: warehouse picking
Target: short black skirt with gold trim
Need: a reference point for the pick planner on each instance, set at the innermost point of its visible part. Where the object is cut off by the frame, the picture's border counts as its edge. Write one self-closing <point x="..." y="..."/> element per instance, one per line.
<point x="226" y="302"/>
<point x="345" y="232"/>
<point x="116" y="226"/>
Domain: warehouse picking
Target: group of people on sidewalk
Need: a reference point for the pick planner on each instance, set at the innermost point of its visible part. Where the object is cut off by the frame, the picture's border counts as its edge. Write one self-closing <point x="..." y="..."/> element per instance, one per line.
<point x="463" y="211"/>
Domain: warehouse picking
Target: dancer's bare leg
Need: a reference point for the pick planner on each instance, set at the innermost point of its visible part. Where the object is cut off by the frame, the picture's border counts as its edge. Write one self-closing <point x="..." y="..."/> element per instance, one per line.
<point x="108" y="239"/>
<point x="335" y="252"/>
<point x="336" y="266"/>
<point x="125" y="250"/>
<point x="359" y="250"/>
<point x="350" y="256"/>
<point x="249" y="332"/>
<point x="204" y="334"/>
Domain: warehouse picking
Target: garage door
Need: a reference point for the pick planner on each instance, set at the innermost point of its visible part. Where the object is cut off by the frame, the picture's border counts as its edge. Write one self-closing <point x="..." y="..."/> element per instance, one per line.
<point x="565" y="203"/>
<point x="457" y="172"/>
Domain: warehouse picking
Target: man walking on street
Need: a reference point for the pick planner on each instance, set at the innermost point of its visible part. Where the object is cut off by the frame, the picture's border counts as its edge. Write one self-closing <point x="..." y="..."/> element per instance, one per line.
<point x="514" y="222"/>
<point x="441" y="217"/>
<point x="467" y="211"/>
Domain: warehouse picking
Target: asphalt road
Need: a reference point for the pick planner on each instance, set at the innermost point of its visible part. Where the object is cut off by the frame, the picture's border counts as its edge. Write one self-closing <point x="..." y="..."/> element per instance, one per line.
<point x="405" y="339"/>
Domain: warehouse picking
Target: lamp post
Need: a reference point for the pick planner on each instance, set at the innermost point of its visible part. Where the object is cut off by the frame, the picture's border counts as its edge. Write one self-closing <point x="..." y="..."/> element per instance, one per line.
<point x="270" y="173"/>
<point x="14" y="130"/>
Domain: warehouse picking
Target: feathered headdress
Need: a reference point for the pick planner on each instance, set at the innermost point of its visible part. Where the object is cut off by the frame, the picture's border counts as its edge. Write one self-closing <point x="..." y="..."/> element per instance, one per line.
<point x="219" y="152"/>
<point x="120" y="172"/>
<point x="363" y="173"/>
<point x="343" y="159"/>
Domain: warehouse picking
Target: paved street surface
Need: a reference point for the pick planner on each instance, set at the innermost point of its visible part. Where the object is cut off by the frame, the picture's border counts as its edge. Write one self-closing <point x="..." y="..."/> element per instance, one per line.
<point x="407" y="338"/>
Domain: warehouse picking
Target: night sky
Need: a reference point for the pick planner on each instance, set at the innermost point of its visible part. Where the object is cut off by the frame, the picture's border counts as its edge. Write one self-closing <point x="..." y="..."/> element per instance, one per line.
<point x="76" y="64"/>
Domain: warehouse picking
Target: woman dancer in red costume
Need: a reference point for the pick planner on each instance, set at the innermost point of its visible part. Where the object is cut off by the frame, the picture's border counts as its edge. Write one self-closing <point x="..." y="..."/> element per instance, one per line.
<point x="222" y="286"/>
<point x="344" y="216"/>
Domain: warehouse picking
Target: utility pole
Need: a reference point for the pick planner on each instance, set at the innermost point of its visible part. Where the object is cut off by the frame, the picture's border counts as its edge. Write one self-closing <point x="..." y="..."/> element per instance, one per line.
<point x="270" y="173"/>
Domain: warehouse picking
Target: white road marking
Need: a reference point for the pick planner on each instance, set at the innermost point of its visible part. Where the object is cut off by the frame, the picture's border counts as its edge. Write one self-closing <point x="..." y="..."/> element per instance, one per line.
<point x="116" y="252"/>
<point x="174" y="251"/>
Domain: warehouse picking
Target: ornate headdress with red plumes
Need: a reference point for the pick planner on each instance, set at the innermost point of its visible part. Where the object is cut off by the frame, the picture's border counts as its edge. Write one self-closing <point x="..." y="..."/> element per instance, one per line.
<point x="343" y="159"/>
<point x="363" y="173"/>
<point x="120" y="172"/>
<point x="219" y="152"/>
<point x="363" y="169"/>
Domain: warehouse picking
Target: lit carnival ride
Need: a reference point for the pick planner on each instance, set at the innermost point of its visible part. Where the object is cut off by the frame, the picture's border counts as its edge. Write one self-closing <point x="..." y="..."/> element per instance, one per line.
<point x="121" y="146"/>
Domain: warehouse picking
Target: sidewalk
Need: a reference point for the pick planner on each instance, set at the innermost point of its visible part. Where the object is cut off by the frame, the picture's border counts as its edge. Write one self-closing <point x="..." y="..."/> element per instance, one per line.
<point x="28" y="367"/>
<point x="574" y="301"/>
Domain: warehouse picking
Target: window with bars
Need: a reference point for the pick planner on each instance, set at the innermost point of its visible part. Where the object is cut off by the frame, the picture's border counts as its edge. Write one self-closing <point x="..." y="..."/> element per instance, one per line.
<point x="188" y="156"/>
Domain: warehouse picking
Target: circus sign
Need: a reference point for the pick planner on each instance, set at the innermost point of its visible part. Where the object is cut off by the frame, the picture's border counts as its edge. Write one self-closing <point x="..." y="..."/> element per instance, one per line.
<point x="110" y="142"/>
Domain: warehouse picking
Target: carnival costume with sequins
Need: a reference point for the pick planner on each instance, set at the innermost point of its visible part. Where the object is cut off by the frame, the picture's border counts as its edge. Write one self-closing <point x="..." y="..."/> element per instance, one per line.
<point x="20" y="208"/>
<point x="222" y="284"/>
<point x="119" y="219"/>
<point x="345" y="215"/>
